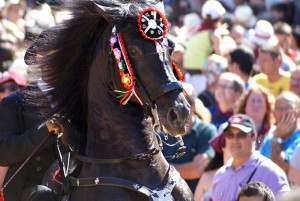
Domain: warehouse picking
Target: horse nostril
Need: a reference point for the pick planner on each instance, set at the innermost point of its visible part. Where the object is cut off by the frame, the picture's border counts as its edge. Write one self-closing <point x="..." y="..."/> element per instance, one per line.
<point x="173" y="118"/>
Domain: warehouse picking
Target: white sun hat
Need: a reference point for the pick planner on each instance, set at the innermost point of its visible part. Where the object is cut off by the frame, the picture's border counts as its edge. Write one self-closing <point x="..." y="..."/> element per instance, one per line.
<point x="244" y="15"/>
<point x="263" y="34"/>
<point x="212" y="8"/>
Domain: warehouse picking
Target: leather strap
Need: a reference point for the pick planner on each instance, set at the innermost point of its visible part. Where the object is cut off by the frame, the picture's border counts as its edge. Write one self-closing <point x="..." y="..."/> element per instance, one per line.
<point x="156" y="194"/>
<point x="171" y="86"/>
<point x="141" y="156"/>
<point x="109" y="181"/>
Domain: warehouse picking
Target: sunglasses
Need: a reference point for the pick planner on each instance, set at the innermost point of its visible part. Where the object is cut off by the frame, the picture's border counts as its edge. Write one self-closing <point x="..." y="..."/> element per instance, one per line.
<point x="10" y="87"/>
<point x="240" y="135"/>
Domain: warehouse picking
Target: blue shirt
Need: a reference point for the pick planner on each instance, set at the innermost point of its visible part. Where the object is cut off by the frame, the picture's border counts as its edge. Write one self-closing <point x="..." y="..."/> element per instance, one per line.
<point x="218" y="117"/>
<point x="288" y="145"/>
<point x="196" y="142"/>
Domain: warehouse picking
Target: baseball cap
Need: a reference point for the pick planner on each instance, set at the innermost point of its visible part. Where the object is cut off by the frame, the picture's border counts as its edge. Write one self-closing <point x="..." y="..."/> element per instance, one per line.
<point x="218" y="142"/>
<point x="242" y="122"/>
<point x="13" y="76"/>
<point x="212" y="8"/>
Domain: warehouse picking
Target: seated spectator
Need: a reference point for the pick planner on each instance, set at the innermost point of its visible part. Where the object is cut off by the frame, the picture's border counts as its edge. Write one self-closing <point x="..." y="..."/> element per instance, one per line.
<point x="256" y="191"/>
<point x="282" y="11"/>
<point x="212" y="69"/>
<point x="177" y="56"/>
<point x="261" y="35"/>
<point x="279" y="145"/>
<point x="13" y="22"/>
<point x="39" y="19"/>
<point x="206" y="41"/>
<point x="240" y="62"/>
<point x="243" y="15"/>
<point x="238" y="33"/>
<point x="11" y="82"/>
<point x="208" y="38"/>
<point x="295" y="42"/>
<point x="271" y="76"/>
<point x="228" y="90"/>
<point x="258" y="103"/>
<point x="198" y="152"/>
<point x="191" y="23"/>
<point x="203" y="189"/>
<point x="283" y="32"/>
<point x="294" y="170"/>
<point x="246" y="165"/>
<point x="294" y="83"/>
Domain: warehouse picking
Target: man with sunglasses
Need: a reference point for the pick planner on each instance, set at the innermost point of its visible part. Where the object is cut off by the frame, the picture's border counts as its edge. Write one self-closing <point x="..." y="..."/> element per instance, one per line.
<point x="246" y="164"/>
<point x="11" y="82"/>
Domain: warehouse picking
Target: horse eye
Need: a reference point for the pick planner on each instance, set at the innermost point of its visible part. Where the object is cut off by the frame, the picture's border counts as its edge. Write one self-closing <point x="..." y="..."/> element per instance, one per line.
<point x="133" y="51"/>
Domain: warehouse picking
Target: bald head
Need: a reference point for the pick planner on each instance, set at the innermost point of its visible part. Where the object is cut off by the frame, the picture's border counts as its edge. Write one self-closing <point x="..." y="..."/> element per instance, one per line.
<point x="294" y="82"/>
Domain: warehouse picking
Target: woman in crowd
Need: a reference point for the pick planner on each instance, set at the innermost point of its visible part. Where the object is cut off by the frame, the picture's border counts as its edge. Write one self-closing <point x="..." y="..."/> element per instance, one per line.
<point x="257" y="103"/>
<point x="228" y="90"/>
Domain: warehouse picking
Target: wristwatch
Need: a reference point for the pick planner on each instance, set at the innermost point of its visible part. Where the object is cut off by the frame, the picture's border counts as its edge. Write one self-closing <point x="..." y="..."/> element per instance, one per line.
<point x="277" y="139"/>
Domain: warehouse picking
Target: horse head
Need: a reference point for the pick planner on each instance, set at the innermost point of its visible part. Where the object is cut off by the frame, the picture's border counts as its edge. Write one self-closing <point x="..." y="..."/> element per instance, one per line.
<point x="105" y="66"/>
<point x="142" y="62"/>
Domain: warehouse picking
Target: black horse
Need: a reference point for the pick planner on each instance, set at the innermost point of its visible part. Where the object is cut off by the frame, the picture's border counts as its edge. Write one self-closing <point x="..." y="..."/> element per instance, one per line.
<point x="110" y="73"/>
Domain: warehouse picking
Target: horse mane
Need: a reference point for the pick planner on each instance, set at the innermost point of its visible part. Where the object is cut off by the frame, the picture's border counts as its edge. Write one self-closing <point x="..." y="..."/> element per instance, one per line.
<point x="63" y="55"/>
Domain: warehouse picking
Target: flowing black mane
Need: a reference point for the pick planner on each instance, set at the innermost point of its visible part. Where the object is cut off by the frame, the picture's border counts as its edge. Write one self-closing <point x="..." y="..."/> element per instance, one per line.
<point x="67" y="52"/>
<point x="85" y="62"/>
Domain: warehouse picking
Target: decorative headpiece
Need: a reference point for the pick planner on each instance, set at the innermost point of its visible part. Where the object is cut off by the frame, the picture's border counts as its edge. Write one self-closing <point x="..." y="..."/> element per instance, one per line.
<point x="153" y="25"/>
<point x="125" y="69"/>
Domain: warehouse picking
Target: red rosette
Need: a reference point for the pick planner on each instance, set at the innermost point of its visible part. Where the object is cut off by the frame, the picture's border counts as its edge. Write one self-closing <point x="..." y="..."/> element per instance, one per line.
<point x="152" y="24"/>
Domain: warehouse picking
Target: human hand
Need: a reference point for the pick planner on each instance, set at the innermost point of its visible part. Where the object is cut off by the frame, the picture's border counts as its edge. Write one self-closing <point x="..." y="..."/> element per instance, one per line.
<point x="201" y="161"/>
<point x="56" y="124"/>
<point x="286" y="125"/>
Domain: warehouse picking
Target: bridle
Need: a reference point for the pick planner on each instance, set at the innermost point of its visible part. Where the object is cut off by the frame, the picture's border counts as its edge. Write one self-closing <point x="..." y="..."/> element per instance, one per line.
<point x="130" y="81"/>
<point x="153" y="26"/>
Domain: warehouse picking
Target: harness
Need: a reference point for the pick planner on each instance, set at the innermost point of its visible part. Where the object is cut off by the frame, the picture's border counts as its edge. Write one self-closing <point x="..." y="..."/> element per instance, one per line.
<point x="157" y="194"/>
<point x="153" y="26"/>
<point x="128" y="79"/>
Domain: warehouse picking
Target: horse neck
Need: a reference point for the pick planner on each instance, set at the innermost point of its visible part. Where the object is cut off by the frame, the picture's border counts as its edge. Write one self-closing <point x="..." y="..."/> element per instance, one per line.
<point x="115" y="130"/>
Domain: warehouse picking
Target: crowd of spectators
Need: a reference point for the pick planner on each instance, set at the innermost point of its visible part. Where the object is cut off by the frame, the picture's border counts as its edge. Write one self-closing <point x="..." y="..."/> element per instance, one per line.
<point x="243" y="57"/>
